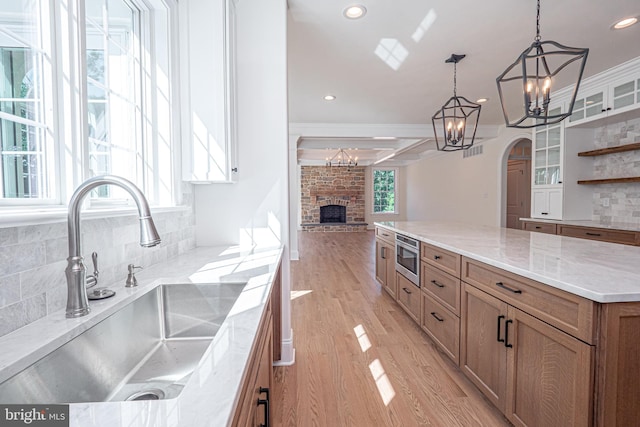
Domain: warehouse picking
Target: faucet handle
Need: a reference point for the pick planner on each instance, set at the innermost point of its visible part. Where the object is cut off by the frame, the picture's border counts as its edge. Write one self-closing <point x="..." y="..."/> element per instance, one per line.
<point x="131" y="277"/>
<point x="92" y="280"/>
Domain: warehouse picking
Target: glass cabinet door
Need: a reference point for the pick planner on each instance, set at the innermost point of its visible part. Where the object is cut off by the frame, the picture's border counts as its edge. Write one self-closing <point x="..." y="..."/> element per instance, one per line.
<point x="547" y="163"/>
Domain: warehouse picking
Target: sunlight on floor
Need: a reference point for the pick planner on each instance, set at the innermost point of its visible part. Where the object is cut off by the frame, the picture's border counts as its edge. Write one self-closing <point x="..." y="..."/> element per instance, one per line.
<point x="387" y="393"/>
<point x="298" y="294"/>
<point x="363" y="339"/>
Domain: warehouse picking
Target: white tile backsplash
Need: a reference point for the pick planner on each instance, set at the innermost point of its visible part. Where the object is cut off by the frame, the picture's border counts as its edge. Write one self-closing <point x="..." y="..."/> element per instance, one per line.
<point x="617" y="202"/>
<point x="33" y="259"/>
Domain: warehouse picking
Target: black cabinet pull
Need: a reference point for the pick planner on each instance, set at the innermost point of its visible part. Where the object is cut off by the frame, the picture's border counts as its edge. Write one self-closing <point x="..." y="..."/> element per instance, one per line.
<point x="437" y="284"/>
<point x="407" y="290"/>
<point x="385" y="234"/>
<point x="538" y="227"/>
<point x="593" y="234"/>
<point x="544" y="213"/>
<point x="438" y="318"/>
<point x="382" y="253"/>
<point x="502" y="285"/>
<point x="265" y="402"/>
<point x="499" y="319"/>
<point x="506" y="334"/>
<point x="437" y="257"/>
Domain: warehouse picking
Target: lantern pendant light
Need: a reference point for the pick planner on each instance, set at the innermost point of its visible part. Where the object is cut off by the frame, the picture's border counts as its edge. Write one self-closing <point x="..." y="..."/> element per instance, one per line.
<point x="531" y="78"/>
<point x="457" y="119"/>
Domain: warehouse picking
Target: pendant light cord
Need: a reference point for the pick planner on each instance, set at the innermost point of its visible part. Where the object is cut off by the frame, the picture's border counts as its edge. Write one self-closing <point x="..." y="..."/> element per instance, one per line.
<point x="455" y="78"/>
<point x="538" y="23"/>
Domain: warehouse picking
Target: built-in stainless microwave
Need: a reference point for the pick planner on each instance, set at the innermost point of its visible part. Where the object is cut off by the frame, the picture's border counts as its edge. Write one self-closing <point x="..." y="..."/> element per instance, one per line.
<point x="408" y="258"/>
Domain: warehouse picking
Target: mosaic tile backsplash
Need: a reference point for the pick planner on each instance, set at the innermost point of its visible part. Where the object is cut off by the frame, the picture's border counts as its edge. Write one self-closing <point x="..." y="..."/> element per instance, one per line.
<point x="33" y="259"/>
<point x="617" y="202"/>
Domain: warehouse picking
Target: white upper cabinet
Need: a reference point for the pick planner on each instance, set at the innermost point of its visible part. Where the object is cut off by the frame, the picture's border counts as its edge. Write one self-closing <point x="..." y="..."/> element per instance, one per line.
<point x="207" y="56"/>
<point x="613" y="92"/>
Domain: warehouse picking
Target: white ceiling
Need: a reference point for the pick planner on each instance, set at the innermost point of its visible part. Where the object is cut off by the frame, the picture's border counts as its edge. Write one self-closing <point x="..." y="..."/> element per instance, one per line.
<point x="329" y="54"/>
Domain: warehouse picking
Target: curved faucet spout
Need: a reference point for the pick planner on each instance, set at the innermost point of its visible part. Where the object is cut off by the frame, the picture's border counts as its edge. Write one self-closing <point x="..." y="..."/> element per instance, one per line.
<point x="77" y="302"/>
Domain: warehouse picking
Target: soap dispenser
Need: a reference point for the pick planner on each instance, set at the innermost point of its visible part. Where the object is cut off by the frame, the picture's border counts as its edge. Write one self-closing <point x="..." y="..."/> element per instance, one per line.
<point x="131" y="278"/>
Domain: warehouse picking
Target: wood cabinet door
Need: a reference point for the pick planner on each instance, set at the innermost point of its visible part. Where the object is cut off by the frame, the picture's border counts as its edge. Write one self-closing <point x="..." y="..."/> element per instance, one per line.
<point x="390" y="283"/>
<point x="549" y="374"/>
<point x="264" y="385"/>
<point x="381" y="262"/>
<point x="482" y="356"/>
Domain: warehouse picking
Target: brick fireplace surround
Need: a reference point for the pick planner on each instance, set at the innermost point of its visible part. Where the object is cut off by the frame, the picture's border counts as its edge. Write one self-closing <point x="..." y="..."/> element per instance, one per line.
<point x="322" y="186"/>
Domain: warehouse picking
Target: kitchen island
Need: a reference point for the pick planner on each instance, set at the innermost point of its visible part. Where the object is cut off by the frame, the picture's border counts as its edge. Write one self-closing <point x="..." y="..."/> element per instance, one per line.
<point x="545" y="326"/>
<point x="213" y="394"/>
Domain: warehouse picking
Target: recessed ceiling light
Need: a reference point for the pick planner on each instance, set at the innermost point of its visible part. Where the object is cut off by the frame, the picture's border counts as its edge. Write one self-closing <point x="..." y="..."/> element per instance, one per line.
<point x="385" y="137"/>
<point x="355" y="11"/>
<point x="624" y="23"/>
<point x="329" y="97"/>
<point x="481" y="100"/>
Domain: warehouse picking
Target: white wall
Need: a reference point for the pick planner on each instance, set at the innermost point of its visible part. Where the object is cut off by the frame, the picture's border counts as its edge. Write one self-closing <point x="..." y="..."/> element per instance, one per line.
<point x="255" y="210"/>
<point x="447" y="187"/>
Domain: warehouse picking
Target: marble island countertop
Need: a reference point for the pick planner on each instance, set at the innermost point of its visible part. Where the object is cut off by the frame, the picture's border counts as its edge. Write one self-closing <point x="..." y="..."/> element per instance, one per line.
<point x="599" y="271"/>
<point x="626" y="226"/>
<point x="210" y="396"/>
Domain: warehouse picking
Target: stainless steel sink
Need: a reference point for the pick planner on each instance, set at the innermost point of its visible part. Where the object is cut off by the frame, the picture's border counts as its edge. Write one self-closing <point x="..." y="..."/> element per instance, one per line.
<point x="146" y="350"/>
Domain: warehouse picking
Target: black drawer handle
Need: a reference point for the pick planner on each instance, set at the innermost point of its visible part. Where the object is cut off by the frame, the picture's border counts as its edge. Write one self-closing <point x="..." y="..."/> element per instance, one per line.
<point x="544" y="213"/>
<point x="407" y="290"/>
<point x="506" y="334"/>
<point x="437" y="257"/>
<point x="438" y="318"/>
<point x="499" y="321"/>
<point x="437" y="284"/>
<point x="538" y="227"/>
<point x="382" y="253"/>
<point x="265" y="402"/>
<point x="593" y="234"/>
<point x="385" y="234"/>
<point x="502" y="285"/>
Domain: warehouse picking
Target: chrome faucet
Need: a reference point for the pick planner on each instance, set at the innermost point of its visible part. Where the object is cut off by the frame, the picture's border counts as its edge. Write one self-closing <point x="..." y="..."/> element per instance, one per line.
<point x="77" y="302"/>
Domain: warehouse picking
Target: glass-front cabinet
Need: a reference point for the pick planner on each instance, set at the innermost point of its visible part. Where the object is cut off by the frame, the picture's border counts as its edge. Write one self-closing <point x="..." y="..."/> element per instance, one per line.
<point x="548" y="152"/>
<point x="616" y="95"/>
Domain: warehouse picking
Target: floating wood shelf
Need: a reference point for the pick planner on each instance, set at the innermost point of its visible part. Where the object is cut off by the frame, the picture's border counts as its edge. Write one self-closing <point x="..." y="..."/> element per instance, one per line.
<point x="610" y="150"/>
<point x="610" y="180"/>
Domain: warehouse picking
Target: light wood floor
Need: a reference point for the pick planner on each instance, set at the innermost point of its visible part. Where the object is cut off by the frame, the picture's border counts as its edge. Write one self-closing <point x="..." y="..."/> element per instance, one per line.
<point x="360" y="360"/>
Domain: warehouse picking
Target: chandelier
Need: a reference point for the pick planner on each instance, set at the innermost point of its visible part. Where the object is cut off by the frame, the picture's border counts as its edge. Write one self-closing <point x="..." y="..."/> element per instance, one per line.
<point x="532" y="76"/>
<point x="456" y="119"/>
<point x="341" y="158"/>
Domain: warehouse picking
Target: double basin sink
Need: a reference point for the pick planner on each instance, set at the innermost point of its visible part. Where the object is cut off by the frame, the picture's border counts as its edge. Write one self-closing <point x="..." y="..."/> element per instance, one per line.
<point x="145" y="351"/>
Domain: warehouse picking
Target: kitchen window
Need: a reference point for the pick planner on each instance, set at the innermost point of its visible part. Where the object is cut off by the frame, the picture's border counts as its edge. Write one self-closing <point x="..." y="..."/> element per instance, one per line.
<point x="92" y="101"/>
<point x="384" y="190"/>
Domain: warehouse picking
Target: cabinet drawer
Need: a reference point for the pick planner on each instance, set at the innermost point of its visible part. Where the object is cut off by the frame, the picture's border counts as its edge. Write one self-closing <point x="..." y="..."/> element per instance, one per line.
<point x="408" y="296"/>
<point x="441" y="258"/>
<point x="441" y="286"/>
<point x="603" y="235"/>
<point x="540" y="227"/>
<point x="570" y="313"/>
<point x="384" y="234"/>
<point x="442" y="326"/>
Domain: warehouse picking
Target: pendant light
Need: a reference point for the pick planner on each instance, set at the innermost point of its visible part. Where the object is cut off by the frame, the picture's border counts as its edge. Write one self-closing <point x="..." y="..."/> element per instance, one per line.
<point x="341" y="158"/>
<point x="532" y="76"/>
<point x="456" y="119"/>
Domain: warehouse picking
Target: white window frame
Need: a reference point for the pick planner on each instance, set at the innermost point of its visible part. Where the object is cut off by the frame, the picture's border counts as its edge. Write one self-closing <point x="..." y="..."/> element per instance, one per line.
<point x="396" y="172"/>
<point x="157" y="176"/>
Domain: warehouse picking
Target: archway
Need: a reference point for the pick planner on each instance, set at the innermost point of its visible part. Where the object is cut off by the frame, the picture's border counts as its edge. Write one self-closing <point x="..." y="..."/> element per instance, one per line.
<point x="517" y="183"/>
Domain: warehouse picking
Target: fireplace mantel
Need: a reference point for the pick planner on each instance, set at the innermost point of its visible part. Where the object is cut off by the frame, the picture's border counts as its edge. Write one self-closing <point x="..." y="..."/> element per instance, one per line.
<point x="334" y="194"/>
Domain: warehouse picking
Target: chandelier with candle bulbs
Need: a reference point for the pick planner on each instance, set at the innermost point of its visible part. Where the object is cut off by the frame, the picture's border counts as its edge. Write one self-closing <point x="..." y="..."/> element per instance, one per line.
<point x="530" y="79"/>
<point x="456" y="122"/>
<point x="341" y="158"/>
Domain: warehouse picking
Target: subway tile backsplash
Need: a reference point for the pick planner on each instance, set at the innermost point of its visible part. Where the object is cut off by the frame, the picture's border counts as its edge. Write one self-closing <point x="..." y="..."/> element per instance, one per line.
<point x="617" y="202"/>
<point x="33" y="259"/>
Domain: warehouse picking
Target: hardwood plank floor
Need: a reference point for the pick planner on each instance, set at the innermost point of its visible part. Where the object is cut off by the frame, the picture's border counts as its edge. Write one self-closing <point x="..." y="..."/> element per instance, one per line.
<point x="360" y="360"/>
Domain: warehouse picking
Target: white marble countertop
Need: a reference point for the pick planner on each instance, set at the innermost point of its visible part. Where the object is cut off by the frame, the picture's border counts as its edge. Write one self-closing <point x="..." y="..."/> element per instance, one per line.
<point x="588" y="223"/>
<point x="210" y="396"/>
<point x="599" y="271"/>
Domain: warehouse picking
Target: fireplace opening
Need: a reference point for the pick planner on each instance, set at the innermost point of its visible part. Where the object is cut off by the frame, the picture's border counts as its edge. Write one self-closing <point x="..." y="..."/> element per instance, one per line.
<point x="333" y="213"/>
